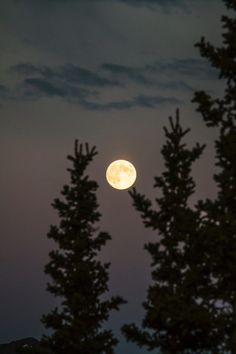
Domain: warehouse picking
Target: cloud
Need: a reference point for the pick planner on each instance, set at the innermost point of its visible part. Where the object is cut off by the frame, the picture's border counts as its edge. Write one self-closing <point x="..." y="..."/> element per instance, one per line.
<point x="165" y="5"/>
<point x="135" y="74"/>
<point x="70" y="80"/>
<point x="137" y="3"/>
<point x="153" y="3"/>
<point x="4" y="92"/>
<point x="66" y="73"/>
<point x="132" y="2"/>
<point x="80" y="85"/>
<point x="35" y="88"/>
<point x="153" y="101"/>
<point x="194" y="68"/>
<point x="30" y="70"/>
<point x="157" y="73"/>
<point x="176" y="85"/>
<point x="142" y="101"/>
<point x="45" y="87"/>
<point x="189" y="67"/>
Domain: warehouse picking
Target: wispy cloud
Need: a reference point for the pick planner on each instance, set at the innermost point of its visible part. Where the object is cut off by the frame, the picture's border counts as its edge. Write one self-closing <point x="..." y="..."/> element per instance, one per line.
<point x="84" y="86"/>
<point x="127" y="72"/>
<point x="138" y="3"/>
<point x="181" y="71"/>
<point x="154" y="3"/>
<point x="38" y="88"/>
<point x="194" y="68"/>
<point x="3" y="91"/>
<point x="142" y="101"/>
<point x="44" y="86"/>
<point x="67" y="73"/>
<point x="71" y="78"/>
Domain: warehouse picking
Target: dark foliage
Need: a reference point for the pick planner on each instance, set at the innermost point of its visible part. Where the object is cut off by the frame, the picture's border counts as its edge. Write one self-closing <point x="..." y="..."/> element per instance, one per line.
<point x="78" y="278"/>
<point x="26" y="345"/>
<point x="219" y="215"/>
<point x="176" y="320"/>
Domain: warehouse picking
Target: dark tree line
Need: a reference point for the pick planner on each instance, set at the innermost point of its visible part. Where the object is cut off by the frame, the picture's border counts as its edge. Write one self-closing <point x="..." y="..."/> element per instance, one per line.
<point x="190" y="305"/>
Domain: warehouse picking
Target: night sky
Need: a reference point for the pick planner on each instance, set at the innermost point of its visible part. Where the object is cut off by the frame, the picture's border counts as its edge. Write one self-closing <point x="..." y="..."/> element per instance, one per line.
<point x="108" y="73"/>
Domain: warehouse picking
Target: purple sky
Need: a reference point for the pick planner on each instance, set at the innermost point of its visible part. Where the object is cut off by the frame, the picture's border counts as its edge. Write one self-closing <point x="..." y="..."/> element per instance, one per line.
<point x="106" y="72"/>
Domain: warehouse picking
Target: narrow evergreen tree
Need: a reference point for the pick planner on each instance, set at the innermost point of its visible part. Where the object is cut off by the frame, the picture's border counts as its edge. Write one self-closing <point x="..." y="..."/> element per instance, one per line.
<point x="175" y="321"/>
<point x="219" y="221"/>
<point x="78" y="278"/>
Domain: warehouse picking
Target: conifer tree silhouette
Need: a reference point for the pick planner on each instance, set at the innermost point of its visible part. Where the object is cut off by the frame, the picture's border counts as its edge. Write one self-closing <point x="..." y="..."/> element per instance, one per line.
<point x="78" y="278"/>
<point x="175" y="322"/>
<point x="219" y="215"/>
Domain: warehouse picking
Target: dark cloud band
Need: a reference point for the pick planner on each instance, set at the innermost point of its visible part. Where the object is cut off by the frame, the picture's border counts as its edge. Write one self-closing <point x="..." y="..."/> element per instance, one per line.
<point x="81" y="85"/>
<point x="65" y="73"/>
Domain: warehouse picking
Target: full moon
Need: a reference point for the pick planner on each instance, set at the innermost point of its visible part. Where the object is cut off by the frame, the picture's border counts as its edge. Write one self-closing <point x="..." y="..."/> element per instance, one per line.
<point x="121" y="174"/>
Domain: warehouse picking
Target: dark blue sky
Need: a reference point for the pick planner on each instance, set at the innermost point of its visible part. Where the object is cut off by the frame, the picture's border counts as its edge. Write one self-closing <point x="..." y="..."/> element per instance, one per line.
<point x="107" y="72"/>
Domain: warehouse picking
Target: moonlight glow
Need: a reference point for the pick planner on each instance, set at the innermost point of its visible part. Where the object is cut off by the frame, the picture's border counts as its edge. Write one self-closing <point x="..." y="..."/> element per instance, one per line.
<point x="121" y="174"/>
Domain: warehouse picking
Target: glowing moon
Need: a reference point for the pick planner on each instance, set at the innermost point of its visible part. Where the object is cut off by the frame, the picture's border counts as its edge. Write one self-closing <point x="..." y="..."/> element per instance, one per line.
<point x="121" y="174"/>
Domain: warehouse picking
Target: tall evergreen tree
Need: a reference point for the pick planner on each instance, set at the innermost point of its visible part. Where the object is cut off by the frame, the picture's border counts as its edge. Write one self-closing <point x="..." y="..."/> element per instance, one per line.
<point x="175" y="321"/>
<point x="78" y="278"/>
<point x="219" y="221"/>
